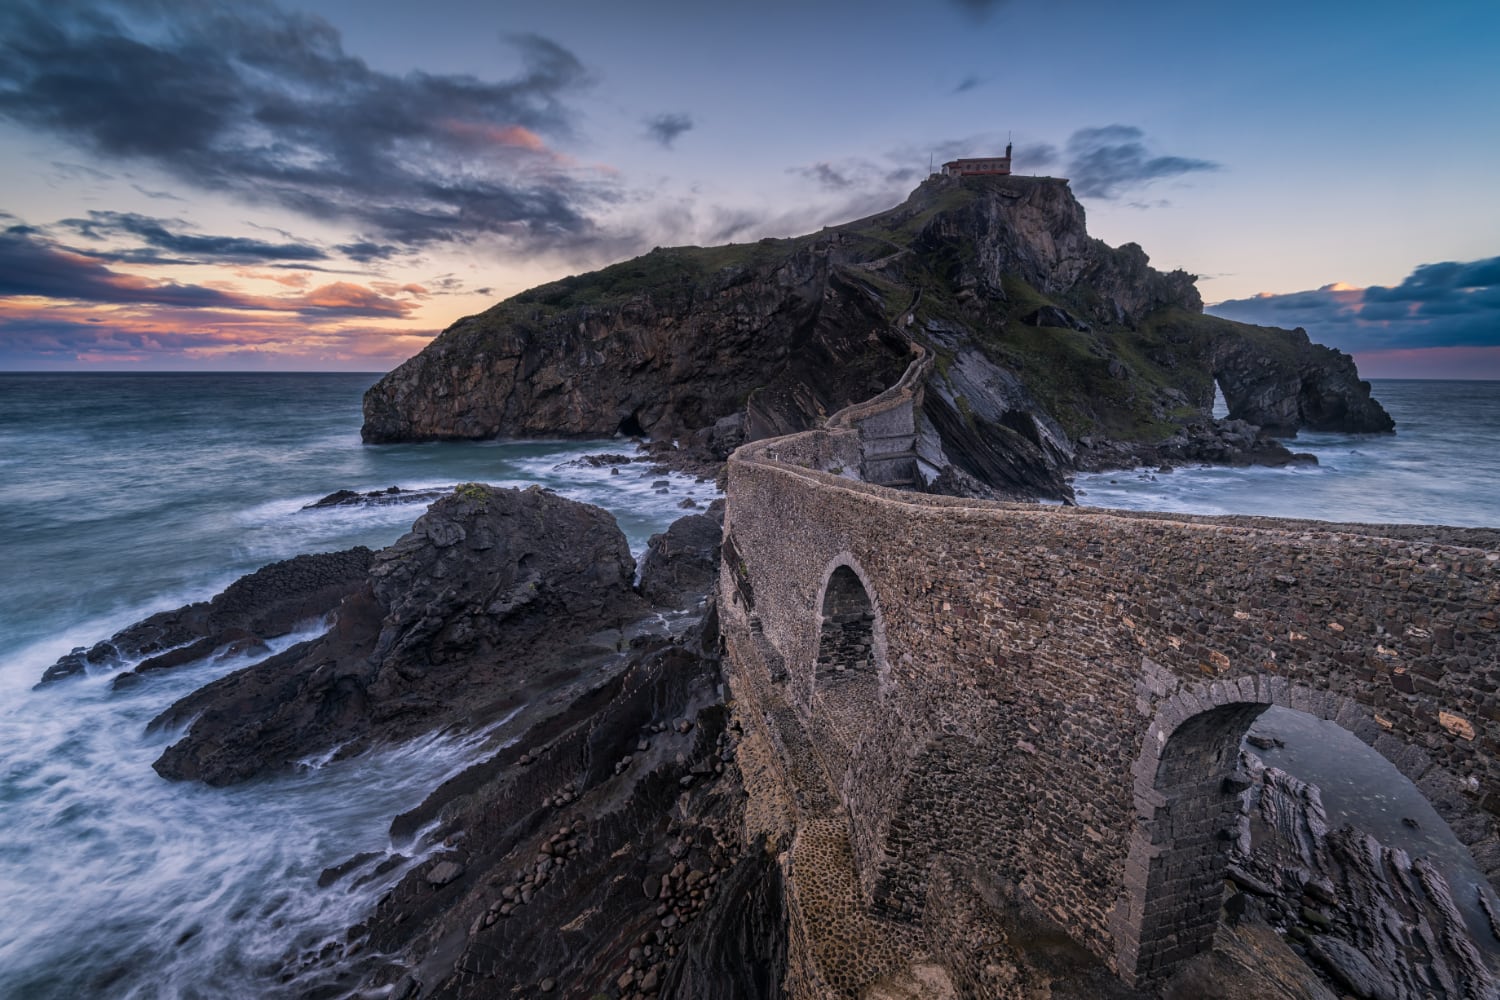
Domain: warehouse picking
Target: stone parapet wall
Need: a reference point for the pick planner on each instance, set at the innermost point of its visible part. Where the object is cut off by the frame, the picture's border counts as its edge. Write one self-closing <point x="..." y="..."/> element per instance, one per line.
<point x="873" y="441"/>
<point x="1034" y="662"/>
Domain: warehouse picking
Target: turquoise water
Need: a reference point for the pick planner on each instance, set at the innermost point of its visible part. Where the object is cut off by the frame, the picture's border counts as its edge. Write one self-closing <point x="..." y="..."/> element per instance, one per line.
<point x="121" y="495"/>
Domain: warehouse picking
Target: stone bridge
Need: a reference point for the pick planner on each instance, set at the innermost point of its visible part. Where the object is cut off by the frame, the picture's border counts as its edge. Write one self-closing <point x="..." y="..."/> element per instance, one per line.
<point x="949" y="700"/>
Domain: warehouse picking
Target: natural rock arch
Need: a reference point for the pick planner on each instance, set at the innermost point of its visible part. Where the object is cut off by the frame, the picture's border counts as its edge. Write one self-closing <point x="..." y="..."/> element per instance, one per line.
<point x="1187" y="785"/>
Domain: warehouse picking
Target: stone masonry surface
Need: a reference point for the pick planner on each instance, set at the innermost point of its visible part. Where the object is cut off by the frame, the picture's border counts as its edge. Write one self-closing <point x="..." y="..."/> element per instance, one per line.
<point x="1047" y="700"/>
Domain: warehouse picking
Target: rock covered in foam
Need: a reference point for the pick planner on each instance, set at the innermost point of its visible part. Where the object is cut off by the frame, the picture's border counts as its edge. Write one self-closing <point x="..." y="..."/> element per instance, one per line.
<point x="266" y="604"/>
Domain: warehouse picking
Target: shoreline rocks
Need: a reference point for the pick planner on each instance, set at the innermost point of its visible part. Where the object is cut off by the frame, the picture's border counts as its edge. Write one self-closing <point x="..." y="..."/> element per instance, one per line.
<point x="374" y="498"/>
<point x="494" y="597"/>
<point x="1224" y="442"/>
<point x="267" y="604"/>
<point x="681" y="564"/>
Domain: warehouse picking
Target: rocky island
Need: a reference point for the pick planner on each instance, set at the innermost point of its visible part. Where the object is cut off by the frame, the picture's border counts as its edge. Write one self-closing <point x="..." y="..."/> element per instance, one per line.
<point x="1053" y="352"/>
<point x="854" y="733"/>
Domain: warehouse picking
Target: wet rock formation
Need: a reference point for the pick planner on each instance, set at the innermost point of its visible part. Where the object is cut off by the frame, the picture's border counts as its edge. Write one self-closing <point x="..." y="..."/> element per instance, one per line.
<point x="454" y="624"/>
<point x="1309" y="386"/>
<point x="682" y="563"/>
<point x="1372" y="920"/>
<point x="374" y="498"/>
<point x="601" y="854"/>
<point x="1048" y="343"/>
<point x="267" y="604"/>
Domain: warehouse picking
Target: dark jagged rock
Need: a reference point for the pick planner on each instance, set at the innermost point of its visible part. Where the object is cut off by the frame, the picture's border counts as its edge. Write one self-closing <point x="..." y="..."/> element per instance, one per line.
<point x="374" y="498"/>
<point x="738" y="949"/>
<point x="1342" y="894"/>
<point x="269" y="603"/>
<point x="682" y="563"/>
<point x="1055" y="317"/>
<point x="673" y="346"/>
<point x="1290" y="383"/>
<point x="1044" y="339"/>
<point x="616" y="815"/>
<point x="1349" y="968"/>
<point x="491" y="598"/>
<point x="989" y="426"/>
<point x="604" y="461"/>
<point x="1216" y="442"/>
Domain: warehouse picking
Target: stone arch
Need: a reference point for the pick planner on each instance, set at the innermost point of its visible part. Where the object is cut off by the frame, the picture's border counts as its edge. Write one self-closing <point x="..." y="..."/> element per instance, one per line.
<point x="1186" y="789"/>
<point x="849" y="669"/>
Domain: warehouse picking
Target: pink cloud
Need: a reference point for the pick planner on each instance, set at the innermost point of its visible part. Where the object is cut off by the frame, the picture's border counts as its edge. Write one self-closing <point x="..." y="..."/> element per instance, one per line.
<point x="1431" y="362"/>
<point x="488" y="133"/>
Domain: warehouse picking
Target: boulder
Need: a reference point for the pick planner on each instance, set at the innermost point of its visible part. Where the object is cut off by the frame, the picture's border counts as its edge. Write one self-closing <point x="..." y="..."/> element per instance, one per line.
<point x="374" y="498"/>
<point x="682" y="563"/>
<point x="481" y="605"/>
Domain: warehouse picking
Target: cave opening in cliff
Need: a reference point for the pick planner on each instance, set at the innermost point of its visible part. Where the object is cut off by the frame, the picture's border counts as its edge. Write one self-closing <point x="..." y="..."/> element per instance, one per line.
<point x="1292" y="819"/>
<point x="631" y="426"/>
<point x="846" y="679"/>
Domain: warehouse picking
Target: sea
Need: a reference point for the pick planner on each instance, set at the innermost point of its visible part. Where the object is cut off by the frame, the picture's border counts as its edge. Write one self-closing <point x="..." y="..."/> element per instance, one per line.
<point x="126" y="494"/>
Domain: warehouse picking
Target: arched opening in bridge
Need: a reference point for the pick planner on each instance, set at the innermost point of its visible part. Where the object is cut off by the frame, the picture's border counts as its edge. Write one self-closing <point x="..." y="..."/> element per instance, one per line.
<point x="1186" y="840"/>
<point x="846" y="680"/>
<point x="1321" y="837"/>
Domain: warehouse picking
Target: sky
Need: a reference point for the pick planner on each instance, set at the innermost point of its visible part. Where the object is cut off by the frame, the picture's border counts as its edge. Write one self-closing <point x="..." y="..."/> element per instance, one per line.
<point x="327" y="184"/>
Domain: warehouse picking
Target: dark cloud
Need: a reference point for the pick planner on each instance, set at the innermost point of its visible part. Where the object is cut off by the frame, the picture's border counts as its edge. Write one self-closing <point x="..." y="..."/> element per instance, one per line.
<point x="1034" y="156"/>
<point x="367" y="251"/>
<point x="968" y="83"/>
<point x="1450" y="304"/>
<point x="32" y="267"/>
<point x="1113" y="160"/>
<point x="666" y="128"/>
<point x="830" y="177"/>
<point x="154" y="233"/>
<point x="247" y="98"/>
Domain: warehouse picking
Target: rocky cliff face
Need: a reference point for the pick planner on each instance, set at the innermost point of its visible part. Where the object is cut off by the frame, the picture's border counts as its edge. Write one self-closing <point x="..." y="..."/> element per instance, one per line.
<point x="1054" y="350"/>
<point x="1316" y="387"/>
<point x="664" y="345"/>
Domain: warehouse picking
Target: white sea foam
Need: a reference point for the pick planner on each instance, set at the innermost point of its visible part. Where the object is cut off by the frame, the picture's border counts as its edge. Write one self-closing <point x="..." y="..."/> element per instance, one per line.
<point x="116" y="882"/>
<point x="181" y="890"/>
